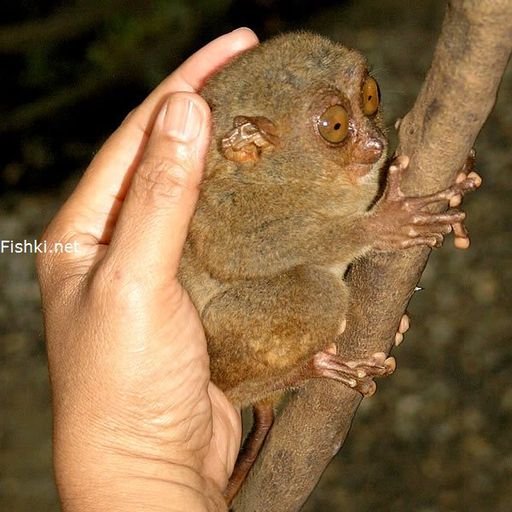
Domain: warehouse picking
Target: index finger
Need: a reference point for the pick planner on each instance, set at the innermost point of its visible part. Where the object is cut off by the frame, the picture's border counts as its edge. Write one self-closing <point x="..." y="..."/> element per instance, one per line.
<point x="192" y="74"/>
<point x="99" y="194"/>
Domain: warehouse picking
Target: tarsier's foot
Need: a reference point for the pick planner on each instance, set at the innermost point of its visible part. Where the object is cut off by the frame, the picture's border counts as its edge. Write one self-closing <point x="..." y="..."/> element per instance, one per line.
<point x="357" y="374"/>
<point x="400" y="222"/>
<point x="403" y="327"/>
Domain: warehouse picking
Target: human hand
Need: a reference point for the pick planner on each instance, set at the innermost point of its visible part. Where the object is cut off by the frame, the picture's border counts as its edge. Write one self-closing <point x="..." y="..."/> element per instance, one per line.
<point x="137" y="422"/>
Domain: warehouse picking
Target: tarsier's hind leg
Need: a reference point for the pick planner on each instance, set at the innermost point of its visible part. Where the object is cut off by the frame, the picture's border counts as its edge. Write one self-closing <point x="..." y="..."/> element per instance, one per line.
<point x="357" y="374"/>
<point x="259" y="330"/>
<point x="269" y="335"/>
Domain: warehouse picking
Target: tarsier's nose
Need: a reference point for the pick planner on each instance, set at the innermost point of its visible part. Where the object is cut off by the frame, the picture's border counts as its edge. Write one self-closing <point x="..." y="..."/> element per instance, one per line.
<point x="373" y="149"/>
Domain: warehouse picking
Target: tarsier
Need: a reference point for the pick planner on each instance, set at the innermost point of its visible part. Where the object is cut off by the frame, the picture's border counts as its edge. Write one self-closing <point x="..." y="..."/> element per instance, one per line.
<point x="290" y="198"/>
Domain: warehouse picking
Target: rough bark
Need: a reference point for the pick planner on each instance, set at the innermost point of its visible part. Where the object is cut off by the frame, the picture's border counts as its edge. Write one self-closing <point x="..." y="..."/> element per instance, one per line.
<point x="437" y="134"/>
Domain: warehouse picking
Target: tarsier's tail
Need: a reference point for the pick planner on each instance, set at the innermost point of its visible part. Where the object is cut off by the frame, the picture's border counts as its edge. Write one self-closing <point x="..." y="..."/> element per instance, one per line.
<point x="263" y="417"/>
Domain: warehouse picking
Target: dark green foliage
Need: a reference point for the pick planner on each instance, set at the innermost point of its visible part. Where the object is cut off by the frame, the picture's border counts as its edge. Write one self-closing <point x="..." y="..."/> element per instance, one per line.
<point x="72" y="70"/>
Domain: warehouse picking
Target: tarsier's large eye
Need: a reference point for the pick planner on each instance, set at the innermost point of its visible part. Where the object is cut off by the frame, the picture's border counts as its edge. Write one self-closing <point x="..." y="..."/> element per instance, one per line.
<point x="333" y="124"/>
<point x="371" y="96"/>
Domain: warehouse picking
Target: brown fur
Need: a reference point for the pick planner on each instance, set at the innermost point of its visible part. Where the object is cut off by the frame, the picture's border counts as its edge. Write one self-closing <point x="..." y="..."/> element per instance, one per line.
<point x="273" y="235"/>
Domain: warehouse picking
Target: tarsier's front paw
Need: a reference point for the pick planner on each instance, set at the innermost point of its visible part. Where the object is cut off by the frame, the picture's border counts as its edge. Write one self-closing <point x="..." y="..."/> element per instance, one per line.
<point x="399" y="222"/>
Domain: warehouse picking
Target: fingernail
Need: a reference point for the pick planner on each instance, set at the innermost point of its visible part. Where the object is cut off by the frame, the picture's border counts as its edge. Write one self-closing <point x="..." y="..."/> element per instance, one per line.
<point x="183" y="119"/>
<point x="240" y="29"/>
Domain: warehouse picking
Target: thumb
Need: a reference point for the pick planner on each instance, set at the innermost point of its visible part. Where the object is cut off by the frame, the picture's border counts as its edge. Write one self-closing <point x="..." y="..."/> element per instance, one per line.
<point x="154" y="219"/>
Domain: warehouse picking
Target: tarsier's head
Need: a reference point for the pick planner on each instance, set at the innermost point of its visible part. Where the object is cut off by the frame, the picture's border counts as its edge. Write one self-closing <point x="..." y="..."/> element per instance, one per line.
<point x="299" y="107"/>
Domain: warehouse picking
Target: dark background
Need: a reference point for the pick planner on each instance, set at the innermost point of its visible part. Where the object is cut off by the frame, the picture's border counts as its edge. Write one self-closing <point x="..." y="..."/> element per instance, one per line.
<point x="437" y="436"/>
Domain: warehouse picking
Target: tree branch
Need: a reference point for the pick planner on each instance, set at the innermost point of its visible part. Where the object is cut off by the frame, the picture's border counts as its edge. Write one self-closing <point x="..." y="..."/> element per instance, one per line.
<point x="437" y="134"/>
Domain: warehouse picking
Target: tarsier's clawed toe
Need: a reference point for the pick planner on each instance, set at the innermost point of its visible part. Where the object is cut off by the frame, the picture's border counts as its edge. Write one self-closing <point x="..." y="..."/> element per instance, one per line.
<point x="357" y="374"/>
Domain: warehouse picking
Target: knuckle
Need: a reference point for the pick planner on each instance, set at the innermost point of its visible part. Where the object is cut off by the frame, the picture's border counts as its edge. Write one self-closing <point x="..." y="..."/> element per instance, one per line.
<point x="123" y="290"/>
<point x="118" y="287"/>
<point x="61" y="260"/>
<point x="162" y="179"/>
<point x="43" y="266"/>
<point x="98" y="282"/>
<point x="41" y="257"/>
<point x="44" y="260"/>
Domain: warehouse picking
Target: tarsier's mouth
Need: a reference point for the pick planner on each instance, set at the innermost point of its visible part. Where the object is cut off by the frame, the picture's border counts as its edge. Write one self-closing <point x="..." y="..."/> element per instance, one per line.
<point x="360" y="169"/>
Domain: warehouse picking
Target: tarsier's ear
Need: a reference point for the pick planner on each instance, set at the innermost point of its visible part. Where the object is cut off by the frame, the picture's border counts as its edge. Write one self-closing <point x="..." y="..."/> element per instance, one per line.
<point x="248" y="137"/>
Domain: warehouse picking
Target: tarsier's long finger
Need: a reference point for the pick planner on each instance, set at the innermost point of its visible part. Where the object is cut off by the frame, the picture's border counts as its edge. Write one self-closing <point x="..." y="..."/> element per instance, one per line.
<point x="449" y="217"/>
<point x="463" y="184"/>
<point x="443" y="195"/>
<point x="461" y="236"/>
<point x="364" y="384"/>
<point x="357" y="374"/>
<point x="403" y="327"/>
<point x="377" y="364"/>
<point x="429" y="230"/>
<point x="433" y="240"/>
<point x="405" y="323"/>
<point x="345" y="379"/>
<point x="461" y="240"/>
<point x="469" y="164"/>
<point x="476" y="178"/>
<point x="470" y="183"/>
<point x="397" y="167"/>
<point x="457" y="200"/>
